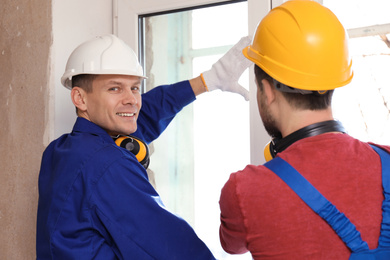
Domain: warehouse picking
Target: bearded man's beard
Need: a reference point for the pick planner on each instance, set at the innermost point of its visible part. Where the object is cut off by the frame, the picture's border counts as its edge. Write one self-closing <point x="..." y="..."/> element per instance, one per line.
<point x="268" y="121"/>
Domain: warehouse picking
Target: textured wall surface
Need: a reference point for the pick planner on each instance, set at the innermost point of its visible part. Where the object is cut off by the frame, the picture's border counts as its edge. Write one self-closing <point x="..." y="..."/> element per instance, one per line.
<point x="25" y="42"/>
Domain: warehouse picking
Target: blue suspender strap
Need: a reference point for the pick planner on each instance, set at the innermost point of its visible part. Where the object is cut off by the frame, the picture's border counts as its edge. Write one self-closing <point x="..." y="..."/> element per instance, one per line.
<point x="384" y="239"/>
<point x="319" y="204"/>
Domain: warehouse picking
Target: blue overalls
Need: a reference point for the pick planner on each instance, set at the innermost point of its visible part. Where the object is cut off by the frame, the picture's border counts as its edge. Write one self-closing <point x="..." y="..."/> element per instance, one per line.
<point x="337" y="220"/>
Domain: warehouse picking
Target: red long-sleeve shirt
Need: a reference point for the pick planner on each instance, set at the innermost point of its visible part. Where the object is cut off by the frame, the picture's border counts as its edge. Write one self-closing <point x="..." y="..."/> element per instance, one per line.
<point x="261" y="214"/>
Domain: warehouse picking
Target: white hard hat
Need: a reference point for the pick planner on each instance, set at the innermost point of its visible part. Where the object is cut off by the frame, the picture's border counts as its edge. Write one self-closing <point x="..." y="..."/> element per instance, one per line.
<point x="102" y="55"/>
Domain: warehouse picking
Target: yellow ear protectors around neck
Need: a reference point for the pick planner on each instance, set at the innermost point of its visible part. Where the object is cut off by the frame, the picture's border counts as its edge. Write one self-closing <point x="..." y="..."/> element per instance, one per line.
<point x="136" y="146"/>
<point x="278" y="144"/>
<point x="267" y="152"/>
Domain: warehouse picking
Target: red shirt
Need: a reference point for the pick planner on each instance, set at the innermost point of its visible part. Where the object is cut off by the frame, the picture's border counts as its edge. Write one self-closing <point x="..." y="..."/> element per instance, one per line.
<point x="261" y="214"/>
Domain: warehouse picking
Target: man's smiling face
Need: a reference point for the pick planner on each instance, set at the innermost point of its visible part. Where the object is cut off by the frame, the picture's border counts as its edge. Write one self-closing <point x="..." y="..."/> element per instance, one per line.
<point x="114" y="103"/>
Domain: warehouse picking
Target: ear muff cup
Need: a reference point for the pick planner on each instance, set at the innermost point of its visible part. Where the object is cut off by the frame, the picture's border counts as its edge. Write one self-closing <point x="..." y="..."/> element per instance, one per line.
<point x="268" y="154"/>
<point x="137" y="147"/>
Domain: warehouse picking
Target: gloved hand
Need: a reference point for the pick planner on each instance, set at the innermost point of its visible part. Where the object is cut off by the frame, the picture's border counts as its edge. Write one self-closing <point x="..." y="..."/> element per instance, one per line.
<point x="226" y="72"/>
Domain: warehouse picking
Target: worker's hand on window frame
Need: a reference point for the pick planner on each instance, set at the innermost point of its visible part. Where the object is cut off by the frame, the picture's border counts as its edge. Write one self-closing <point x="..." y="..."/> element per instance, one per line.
<point x="225" y="73"/>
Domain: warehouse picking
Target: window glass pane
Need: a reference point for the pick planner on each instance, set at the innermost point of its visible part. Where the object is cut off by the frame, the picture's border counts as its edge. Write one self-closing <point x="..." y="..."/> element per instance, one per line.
<point x="166" y="62"/>
<point x="193" y="158"/>
<point x="218" y="25"/>
<point x="360" y="13"/>
<point x="363" y="106"/>
<point x="221" y="137"/>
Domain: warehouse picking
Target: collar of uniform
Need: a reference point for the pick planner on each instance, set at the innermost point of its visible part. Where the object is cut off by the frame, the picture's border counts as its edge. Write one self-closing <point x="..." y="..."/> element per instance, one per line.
<point x="83" y="125"/>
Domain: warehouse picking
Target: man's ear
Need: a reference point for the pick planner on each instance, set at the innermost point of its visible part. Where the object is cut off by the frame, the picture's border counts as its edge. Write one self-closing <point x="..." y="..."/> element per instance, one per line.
<point x="78" y="96"/>
<point x="269" y="91"/>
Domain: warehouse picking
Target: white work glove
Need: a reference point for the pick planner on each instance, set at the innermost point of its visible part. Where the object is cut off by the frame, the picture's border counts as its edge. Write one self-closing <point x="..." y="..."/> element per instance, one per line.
<point x="225" y="73"/>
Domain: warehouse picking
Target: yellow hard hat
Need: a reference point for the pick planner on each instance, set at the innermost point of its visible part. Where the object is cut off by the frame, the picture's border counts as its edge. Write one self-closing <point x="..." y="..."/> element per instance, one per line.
<point x="303" y="45"/>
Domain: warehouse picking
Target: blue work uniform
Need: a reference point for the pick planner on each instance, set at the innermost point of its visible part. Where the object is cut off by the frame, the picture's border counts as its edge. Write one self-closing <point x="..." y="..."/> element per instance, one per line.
<point x="95" y="200"/>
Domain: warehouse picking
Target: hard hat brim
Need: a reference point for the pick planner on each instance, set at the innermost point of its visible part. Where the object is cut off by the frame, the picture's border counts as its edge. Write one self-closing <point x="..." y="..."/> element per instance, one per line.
<point x="298" y="78"/>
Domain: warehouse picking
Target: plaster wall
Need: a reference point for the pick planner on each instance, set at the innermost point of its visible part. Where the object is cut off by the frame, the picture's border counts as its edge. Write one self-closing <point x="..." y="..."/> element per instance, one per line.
<point x="25" y="47"/>
<point x="36" y="38"/>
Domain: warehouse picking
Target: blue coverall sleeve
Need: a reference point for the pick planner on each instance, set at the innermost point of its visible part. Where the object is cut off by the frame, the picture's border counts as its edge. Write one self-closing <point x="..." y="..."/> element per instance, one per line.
<point x="138" y="224"/>
<point x="159" y="106"/>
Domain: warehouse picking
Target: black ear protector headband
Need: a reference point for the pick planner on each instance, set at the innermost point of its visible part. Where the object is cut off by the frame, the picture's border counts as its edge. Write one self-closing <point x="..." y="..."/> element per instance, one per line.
<point x="278" y="144"/>
<point x="136" y="146"/>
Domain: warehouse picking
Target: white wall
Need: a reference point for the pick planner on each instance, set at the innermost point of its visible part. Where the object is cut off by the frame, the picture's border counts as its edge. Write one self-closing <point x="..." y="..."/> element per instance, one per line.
<point x="74" y="22"/>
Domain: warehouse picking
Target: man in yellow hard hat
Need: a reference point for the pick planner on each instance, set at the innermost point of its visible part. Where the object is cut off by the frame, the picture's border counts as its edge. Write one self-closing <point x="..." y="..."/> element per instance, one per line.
<point x="320" y="194"/>
<point x="95" y="199"/>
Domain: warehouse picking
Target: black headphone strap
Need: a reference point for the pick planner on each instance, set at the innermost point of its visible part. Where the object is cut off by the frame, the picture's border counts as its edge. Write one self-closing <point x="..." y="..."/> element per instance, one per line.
<point x="280" y="144"/>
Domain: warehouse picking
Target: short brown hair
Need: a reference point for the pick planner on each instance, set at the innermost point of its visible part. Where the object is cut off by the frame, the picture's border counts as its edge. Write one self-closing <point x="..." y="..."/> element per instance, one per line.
<point x="84" y="81"/>
<point x="313" y="101"/>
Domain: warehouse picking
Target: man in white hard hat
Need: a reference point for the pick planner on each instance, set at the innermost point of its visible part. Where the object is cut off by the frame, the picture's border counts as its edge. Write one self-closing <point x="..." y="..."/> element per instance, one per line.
<point x="95" y="200"/>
